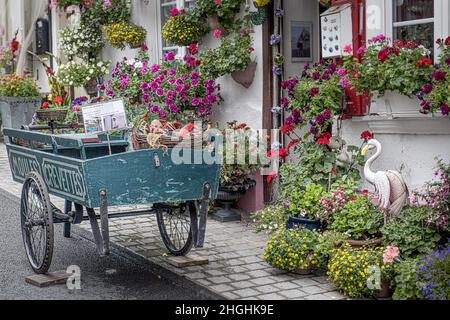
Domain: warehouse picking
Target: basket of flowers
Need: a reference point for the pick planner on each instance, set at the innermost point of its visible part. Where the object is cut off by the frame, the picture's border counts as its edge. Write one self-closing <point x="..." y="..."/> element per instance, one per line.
<point x="120" y="34"/>
<point x="53" y="109"/>
<point x="181" y="31"/>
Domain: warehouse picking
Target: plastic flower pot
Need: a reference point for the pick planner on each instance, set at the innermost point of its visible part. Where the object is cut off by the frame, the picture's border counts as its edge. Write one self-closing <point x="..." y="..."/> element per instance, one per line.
<point x="385" y="291"/>
<point x="307" y="223"/>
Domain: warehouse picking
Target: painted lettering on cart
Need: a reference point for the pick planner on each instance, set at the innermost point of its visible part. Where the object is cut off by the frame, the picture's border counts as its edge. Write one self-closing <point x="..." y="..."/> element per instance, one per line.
<point x="64" y="178"/>
<point x="22" y="164"/>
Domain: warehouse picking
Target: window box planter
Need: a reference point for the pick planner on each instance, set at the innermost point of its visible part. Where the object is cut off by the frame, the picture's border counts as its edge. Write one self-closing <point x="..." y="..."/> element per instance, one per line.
<point x="394" y="105"/>
<point x="307" y="223"/>
<point x="17" y="111"/>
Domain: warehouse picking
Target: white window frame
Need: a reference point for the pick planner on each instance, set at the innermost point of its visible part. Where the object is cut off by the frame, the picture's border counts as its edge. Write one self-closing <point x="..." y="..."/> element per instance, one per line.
<point x="440" y="20"/>
<point x="180" y="4"/>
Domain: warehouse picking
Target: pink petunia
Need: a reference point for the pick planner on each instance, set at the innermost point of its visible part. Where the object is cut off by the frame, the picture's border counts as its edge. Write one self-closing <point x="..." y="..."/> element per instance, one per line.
<point x="217" y="33"/>
<point x="348" y="48"/>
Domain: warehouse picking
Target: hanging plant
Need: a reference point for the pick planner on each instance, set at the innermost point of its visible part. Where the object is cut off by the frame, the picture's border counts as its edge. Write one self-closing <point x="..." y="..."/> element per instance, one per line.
<point x="80" y="41"/>
<point x="124" y="33"/>
<point x="233" y="54"/>
<point x="179" y="30"/>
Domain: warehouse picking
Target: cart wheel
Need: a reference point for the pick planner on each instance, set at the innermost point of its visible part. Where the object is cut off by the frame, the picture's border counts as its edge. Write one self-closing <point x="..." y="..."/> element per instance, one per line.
<point x="174" y="223"/>
<point x="37" y="222"/>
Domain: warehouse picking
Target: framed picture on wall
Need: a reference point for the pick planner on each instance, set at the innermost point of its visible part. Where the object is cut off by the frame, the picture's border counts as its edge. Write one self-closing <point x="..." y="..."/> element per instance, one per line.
<point x="301" y="41"/>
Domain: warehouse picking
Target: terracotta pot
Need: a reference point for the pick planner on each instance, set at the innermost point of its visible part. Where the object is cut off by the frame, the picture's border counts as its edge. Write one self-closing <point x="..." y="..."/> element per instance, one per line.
<point x="245" y="77"/>
<point x="362" y="243"/>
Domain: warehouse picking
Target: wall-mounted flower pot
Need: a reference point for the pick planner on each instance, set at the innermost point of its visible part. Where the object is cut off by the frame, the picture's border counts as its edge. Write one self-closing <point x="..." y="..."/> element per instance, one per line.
<point x="16" y="112"/>
<point x="245" y="77"/>
<point x="302" y="222"/>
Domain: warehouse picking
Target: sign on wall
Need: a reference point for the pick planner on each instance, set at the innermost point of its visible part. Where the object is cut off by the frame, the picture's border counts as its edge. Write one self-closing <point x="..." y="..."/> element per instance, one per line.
<point x="336" y="30"/>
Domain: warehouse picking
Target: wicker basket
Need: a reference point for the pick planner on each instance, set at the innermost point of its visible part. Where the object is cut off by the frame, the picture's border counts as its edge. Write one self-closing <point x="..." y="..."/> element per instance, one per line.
<point x="52" y="114"/>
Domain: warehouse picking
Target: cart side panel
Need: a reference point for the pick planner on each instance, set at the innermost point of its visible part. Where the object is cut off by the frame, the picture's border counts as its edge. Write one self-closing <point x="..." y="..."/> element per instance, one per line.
<point x="63" y="176"/>
<point x="148" y="176"/>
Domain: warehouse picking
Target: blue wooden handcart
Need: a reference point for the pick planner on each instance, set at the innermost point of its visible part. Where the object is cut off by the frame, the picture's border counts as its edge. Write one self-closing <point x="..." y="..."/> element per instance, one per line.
<point x="99" y="172"/>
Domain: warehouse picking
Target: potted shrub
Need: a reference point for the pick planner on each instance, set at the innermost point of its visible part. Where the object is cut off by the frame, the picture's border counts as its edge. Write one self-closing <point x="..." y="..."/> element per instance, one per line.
<point x="18" y="97"/>
<point x="361" y="272"/>
<point x="236" y="172"/>
<point x="360" y="220"/>
<point x="270" y="218"/>
<point x="294" y="250"/>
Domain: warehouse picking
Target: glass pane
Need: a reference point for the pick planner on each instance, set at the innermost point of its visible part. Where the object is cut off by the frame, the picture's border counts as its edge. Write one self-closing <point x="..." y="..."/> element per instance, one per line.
<point x="406" y="10"/>
<point x="420" y="33"/>
<point x="165" y="14"/>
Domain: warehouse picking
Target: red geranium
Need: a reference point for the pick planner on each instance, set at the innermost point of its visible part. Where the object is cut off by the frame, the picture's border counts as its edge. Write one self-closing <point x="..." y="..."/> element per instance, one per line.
<point x="271" y="176"/>
<point x="282" y="153"/>
<point x="324" y="138"/>
<point x="334" y="170"/>
<point x="383" y="55"/>
<point x="447" y="41"/>
<point x="292" y="143"/>
<point x="367" y="135"/>
<point x="424" y="62"/>
<point x="45" y="104"/>
<point x="287" y="128"/>
<point x="193" y="48"/>
<point x="58" y="100"/>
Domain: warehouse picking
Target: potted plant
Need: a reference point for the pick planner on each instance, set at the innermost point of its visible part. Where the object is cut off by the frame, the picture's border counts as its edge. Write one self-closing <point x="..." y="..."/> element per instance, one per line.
<point x="83" y="73"/>
<point x="303" y="207"/>
<point x="18" y="97"/>
<point x="360" y="220"/>
<point x="236" y="171"/>
<point x="294" y="250"/>
<point x="121" y="34"/>
<point x="362" y="272"/>
<point x="270" y="218"/>
<point x="80" y="42"/>
<point x="179" y="30"/>
<point x="390" y="72"/>
<point x="232" y="56"/>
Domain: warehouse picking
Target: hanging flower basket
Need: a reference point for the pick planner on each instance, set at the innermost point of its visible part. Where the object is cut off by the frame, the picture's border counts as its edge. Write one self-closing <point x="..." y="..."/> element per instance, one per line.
<point x="52" y="114"/>
<point x="245" y="77"/>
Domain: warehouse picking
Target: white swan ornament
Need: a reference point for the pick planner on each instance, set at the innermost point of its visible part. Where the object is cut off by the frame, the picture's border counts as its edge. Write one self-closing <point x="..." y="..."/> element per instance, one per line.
<point x="389" y="185"/>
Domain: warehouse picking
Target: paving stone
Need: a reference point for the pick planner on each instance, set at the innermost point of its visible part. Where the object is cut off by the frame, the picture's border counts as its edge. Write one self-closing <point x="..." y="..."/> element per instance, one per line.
<point x="246" y="292"/>
<point x="234" y="262"/>
<point x="263" y="280"/>
<point x="313" y="289"/>
<point x="255" y="266"/>
<point x="220" y="279"/>
<point x="242" y="284"/>
<point x="286" y="285"/>
<point x="239" y="277"/>
<point x="221" y="288"/>
<point x="271" y="296"/>
<point x="293" y="293"/>
<point x="316" y="297"/>
<point x="229" y="295"/>
<point x="204" y="282"/>
<point x="267" y="288"/>
<point x="195" y="275"/>
<point x="258" y="273"/>
<point x="305" y="282"/>
<point x="215" y="272"/>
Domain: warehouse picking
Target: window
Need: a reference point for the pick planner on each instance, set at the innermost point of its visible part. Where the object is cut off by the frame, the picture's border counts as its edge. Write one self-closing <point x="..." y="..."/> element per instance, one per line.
<point x="166" y="7"/>
<point x="414" y="20"/>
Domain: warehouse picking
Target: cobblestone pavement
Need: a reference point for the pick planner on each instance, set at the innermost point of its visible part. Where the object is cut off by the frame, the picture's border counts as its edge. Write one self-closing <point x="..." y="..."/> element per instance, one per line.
<point x="236" y="269"/>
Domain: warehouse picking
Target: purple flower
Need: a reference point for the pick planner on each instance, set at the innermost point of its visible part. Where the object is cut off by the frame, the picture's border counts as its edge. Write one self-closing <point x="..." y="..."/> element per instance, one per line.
<point x="326" y="76"/>
<point x="159" y="92"/>
<point x="101" y="87"/>
<point x="445" y="109"/>
<point x="172" y="72"/>
<point x="276" y="70"/>
<point x="145" y="98"/>
<point x="341" y="72"/>
<point x="427" y="88"/>
<point x="195" y="101"/>
<point x="288" y="121"/>
<point x="194" y="75"/>
<point x="154" y="85"/>
<point x="361" y="50"/>
<point x="144" y="71"/>
<point x="173" y="108"/>
<point x="201" y="109"/>
<point x="284" y="102"/>
<point x="194" y="83"/>
<point x="170" y="56"/>
<point x="274" y="39"/>
<point x="279" y="12"/>
<point x="110" y="93"/>
<point x="155" y="68"/>
<point x="153" y="109"/>
<point x="344" y="82"/>
<point x="162" y="114"/>
<point x="447" y="61"/>
<point x="143" y="86"/>
<point x="313" y="91"/>
<point x="316" y="75"/>
<point x="439" y="75"/>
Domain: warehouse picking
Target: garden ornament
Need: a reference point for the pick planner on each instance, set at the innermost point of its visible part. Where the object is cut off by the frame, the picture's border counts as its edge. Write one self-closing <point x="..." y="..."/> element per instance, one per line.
<point x="337" y="143"/>
<point x="389" y="185"/>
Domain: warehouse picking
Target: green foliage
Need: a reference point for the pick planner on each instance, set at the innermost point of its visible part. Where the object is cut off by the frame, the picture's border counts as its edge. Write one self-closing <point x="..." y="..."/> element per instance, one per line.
<point x="293" y="249"/>
<point x="270" y="218"/>
<point x="305" y="204"/>
<point x="350" y="269"/>
<point x="410" y="231"/>
<point x="233" y="54"/>
<point x="359" y="219"/>
<point x="96" y="16"/>
<point x="329" y="240"/>
<point x="407" y="285"/>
